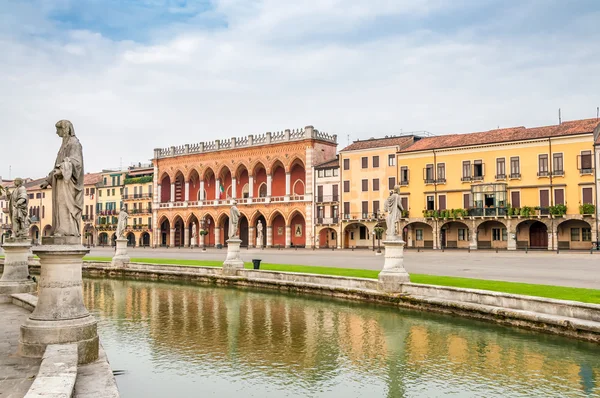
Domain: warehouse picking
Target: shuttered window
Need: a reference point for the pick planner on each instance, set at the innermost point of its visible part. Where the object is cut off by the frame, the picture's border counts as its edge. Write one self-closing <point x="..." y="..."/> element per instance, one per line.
<point x="515" y="199"/>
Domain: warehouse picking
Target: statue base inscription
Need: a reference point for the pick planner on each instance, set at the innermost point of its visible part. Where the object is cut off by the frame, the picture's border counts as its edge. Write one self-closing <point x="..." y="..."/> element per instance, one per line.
<point x="393" y="274"/>
<point x="15" y="277"/>
<point x="60" y="316"/>
<point x="233" y="262"/>
<point x="121" y="259"/>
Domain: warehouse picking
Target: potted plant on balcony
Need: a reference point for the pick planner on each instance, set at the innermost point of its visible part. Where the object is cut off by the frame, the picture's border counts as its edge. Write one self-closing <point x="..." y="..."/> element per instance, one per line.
<point x="587" y="209"/>
<point x="558" y="211"/>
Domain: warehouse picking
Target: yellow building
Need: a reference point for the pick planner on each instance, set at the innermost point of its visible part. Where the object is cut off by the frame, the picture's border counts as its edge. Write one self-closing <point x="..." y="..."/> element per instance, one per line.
<point x="137" y="200"/>
<point x="327" y="204"/>
<point x="89" y="234"/>
<point x="511" y="188"/>
<point x="367" y="173"/>
<point x="109" y="202"/>
<point x="40" y="210"/>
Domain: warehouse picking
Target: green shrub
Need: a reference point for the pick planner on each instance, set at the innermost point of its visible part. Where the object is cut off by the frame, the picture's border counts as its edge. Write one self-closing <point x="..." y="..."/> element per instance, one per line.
<point x="138" y="180"/>
<point x="587" y="208"/>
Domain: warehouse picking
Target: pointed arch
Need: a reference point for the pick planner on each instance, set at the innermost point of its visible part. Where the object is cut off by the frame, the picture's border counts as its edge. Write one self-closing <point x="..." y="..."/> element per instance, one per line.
<point x="256" y="166"/>
<point x="295" y="161"/>
<point x="273" y="215"/>
<point x="255" y="216"/>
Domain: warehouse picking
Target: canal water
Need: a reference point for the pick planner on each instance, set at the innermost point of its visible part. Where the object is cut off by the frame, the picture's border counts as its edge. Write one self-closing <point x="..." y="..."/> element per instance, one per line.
<point x="186" y="340"/>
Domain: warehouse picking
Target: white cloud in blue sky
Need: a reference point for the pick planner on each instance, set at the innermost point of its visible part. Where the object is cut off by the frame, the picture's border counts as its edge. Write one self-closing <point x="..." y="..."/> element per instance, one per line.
<point x="135" y="75"/>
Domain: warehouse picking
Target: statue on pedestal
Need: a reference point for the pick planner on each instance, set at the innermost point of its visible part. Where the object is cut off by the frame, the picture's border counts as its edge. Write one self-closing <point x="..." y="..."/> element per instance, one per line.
<point x="259" y="233"/>
<point x="234" y="219"/>
<point x="18" y="202"/>
<point x="122" y="223"/>
<point x="194" y="235"/>
<point x="393" y="206"/>
<point x="66" y="180"/>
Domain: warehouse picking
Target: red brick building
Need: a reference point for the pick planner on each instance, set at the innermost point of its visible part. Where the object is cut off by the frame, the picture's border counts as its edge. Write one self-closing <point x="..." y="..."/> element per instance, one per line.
<point x="269" y="175"/>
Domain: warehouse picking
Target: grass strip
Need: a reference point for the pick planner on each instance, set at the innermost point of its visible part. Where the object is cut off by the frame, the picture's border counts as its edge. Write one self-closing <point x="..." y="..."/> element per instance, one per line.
<point x="555" y="292"/>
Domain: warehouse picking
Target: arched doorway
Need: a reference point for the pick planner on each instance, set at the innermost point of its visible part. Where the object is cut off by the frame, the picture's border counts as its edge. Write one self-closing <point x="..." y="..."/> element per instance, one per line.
<point x="145" y="239"/>
<point x="277" y="179"/>
<point x="35" y="234"/>
<point x="88" y="235"/>
<point x="243" y="230"/>
<point x="492" y="235"/>
<point x="260" y="181"/>
<point x="224" y="233"/>
<point x="574" y="234"/>
<point x="262" y="219"/>
<point x="356" y="235"/>
<point x="454" y="235"/>
<point x="47" y="230"/>
<point x="131" y="239"/>
<point x="419" y="234"/>
<point x="103" y="239"/>
<point x="327" y="238"/>
<point x="278" y="230"/>
<point x="178" y="225"/>
<point x="165" y="189"/>
<point x="298" y="230"/>
<point x="165" y="229"/>
<point x="538" y="236"/>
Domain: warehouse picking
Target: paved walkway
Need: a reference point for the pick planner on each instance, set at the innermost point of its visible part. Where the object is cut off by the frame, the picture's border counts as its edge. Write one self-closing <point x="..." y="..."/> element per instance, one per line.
<point x="576" y="269"/>
<point x="16" y="373"/>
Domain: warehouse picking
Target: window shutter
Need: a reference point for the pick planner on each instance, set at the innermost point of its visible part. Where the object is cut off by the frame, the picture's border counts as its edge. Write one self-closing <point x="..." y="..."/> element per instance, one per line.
<point x="515" y="198"/>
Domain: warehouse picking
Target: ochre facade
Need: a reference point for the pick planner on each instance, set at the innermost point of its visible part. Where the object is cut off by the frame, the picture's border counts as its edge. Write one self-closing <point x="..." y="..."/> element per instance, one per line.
<point x="270" y="177"/>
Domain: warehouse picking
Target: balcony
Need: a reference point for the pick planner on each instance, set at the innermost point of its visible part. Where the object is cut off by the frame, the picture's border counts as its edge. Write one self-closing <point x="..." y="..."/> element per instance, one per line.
<point x="429" y="180"/>
<point x="466" y="179"/>
<point x="487" y="212"/>
<point x="328" y="198"/>
<point x="515" y="175"/>
<point x="137" y="196"/>
<point x="441" y="181"/>
<point x="363" y="216"/>
<point x="558" y="173"/>
<point x="327" y="220"/>
<point x="543" y="174"/>
<point x="140" y="211"/>
<point x="500" y="176"/>
<point x="586" y="171"/>
<point x="108" y="213"/>
<point x="403" y="183"/>
<point x="477" y="178"/>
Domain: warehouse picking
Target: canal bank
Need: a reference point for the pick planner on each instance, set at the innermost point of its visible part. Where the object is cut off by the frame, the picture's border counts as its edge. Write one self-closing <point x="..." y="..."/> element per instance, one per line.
<point x="561" y="317"/>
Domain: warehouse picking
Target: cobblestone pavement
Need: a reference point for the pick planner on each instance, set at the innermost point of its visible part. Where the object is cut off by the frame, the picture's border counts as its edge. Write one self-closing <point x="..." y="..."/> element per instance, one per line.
<point x="577" y="269"/>
<point x="16" y="373"/>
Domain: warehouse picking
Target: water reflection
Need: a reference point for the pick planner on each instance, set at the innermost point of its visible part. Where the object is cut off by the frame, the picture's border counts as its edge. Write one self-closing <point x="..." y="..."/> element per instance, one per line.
<point x="177" y="340"/>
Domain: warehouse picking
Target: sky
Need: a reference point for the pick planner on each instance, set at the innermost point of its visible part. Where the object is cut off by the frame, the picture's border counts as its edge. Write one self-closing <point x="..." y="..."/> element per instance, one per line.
<point x="134" y="75"/>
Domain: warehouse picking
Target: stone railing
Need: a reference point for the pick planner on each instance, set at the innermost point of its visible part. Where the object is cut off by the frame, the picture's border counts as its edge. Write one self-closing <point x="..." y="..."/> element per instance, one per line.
<point x="243" y="142"/>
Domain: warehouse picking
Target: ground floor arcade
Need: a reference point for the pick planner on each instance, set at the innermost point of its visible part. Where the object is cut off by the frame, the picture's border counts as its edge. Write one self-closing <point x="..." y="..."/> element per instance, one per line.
<point x="570" y="232"/>
<point x="284" y="225"/>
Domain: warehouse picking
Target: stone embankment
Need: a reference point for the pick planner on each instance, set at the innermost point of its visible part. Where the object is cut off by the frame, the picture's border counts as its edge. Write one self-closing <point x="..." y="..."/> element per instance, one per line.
<point x="58" y="372"/>
<point x="567" y="318"/>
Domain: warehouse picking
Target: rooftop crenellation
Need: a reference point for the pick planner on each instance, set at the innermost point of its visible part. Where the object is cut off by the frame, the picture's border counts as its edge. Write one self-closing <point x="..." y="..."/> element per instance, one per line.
<point x="308" y="132"/>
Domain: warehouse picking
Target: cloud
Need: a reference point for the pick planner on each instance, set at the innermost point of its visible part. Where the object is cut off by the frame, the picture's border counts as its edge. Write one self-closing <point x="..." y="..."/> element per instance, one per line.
<point x="232" y="68"/>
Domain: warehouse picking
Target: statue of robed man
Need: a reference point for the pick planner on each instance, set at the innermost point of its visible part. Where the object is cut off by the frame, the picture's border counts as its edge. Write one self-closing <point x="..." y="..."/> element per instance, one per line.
<point x="122" y="223"/>
<point x="234" y="219"/>
<point x="394" y="209"/>
<point x="18" y="203"/>
<point x="66" y="180"/>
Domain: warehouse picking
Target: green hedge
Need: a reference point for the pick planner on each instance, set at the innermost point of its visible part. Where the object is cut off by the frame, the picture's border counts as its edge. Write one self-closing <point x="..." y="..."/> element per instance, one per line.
<point x="138" y="180"/>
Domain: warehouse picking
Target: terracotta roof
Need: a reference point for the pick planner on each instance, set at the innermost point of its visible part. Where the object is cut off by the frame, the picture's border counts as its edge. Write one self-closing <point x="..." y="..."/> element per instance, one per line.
<point x="328" y="164"/>
<point x="92" y="178"/>
<point x="402" y="142"/>
<point x="504" y="135"/>
<point x="34" y="184"/>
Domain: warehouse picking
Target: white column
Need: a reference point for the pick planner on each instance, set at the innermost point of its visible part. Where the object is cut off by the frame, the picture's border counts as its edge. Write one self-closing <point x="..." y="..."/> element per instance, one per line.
<point x="172" y="238"/>
<point x="172" y="192"/>
<point x="202" y="190"/>
<point x="217" y="185"/>
<point x="288" y="182"/>
<point x="217" y="235"/>
<point x="234" y="188"/>
<point x="158" y="194"/>
<point x="186" y="237"/>
<point x="268" y="185"/>
<point x="251" y="187"/>
<point x="473" y="242"/>
<point x="288" y="236"/>
<point x="187" y="191"/>
<point x="269" y="236"/>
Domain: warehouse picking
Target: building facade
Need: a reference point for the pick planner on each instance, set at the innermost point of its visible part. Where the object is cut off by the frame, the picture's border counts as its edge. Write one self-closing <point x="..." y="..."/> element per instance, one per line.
<point x="89" y="233"/>
<point x="367" y="172"/>
<point x="40" y="210"/>
<point x="327" y="204"/>
<point x="137" y="200"/>
<point x="515" y="188"/>
<point x="269" y="175"/>
<point x="109" y="201"/>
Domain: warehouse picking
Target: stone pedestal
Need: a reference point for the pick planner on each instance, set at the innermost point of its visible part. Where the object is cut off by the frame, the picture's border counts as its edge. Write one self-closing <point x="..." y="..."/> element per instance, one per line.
<point x="16" y="271"/>
<point x="233" y="262"/>
<point x="60" y="316"/>
<point x="120" y="259"/>
<point x="193" y="242"/>
<point x="393" y="274"/>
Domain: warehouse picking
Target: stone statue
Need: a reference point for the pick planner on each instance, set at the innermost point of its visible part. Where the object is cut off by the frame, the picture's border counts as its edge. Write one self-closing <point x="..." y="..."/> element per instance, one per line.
<point x="18" y="202"/>
<point x="393" y="206"/>
<point x="122" y="223"/>
<point x="66" y="180"/>
<point x="234" y="219"/>
<point x="194" y="231"/>
<point x="259" y="233"/>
